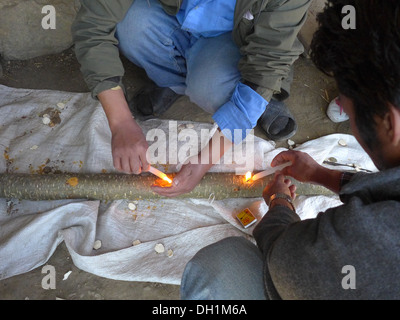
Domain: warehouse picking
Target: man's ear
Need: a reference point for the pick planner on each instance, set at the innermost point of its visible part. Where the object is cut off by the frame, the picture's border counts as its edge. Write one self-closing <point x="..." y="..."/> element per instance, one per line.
<point x="392" y="125"/>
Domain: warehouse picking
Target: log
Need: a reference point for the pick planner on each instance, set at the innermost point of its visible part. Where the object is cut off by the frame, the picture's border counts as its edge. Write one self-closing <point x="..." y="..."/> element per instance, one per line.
<point x="109" y="186"/>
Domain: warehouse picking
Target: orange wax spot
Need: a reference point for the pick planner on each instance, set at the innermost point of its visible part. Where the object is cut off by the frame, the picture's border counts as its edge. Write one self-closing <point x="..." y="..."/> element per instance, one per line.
<point x="73" y="182"/>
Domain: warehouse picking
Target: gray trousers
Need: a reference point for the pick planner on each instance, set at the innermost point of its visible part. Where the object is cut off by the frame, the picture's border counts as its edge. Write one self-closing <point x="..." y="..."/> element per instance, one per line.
<point x="231" y="269"/>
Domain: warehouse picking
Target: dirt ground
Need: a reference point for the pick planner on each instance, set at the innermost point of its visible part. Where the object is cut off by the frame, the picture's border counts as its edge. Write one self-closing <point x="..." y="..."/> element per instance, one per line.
<point x="311" y="93"/>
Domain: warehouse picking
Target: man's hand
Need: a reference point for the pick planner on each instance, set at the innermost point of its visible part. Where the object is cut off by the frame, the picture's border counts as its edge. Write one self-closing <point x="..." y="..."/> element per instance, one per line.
<point x="191" y="173"/>
<point x="128" y="142"/>
<point x="129" y="147"/>
<point x="279" y="185"/>
<point x="306" y="169"/>
<point x="303" y="168"/>
<point x="185" y="181"/>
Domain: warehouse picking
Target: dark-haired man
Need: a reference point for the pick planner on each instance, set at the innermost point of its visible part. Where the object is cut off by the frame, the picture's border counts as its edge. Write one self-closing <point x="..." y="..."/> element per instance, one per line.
<point x="347" y="252"/>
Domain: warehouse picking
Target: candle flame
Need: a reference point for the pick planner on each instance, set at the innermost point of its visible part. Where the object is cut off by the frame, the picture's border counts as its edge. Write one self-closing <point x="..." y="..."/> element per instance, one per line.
<point x="167" y="179"/>
<point x="161" y="175"/>
<point x="248" y="176"/>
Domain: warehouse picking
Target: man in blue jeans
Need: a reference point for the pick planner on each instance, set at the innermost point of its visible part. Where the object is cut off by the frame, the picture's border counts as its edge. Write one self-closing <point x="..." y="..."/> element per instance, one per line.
<point x="232" y="58"/>
<point x="350" y="251"/>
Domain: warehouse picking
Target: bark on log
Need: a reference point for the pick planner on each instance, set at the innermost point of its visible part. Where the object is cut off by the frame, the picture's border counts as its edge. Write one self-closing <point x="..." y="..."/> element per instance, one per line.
<point x="132" y="187"/>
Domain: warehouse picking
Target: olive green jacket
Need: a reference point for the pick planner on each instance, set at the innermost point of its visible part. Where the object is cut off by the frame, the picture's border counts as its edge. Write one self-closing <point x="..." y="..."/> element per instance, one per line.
<point x="268" y="42"/>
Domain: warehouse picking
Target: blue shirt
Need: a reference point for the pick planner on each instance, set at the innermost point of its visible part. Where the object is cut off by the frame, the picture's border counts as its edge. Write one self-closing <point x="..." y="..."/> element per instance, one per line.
<point x="207" y="18"/>
<point x="211" y="18"/>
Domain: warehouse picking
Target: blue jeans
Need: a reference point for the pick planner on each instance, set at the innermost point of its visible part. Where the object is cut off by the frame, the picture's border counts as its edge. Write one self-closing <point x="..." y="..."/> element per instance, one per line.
<point x="204" y="69"/>
<point x="231" y="269"/>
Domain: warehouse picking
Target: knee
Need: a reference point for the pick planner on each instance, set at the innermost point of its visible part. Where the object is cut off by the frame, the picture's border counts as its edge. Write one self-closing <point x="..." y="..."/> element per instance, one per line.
<point x="215" y="256"/>
<point x="210" y="89"/>
<point x="202" y="271"/>
<point x="218" y="249"/>
<point x="205" y="275"/>
<point x="208" y="92"/>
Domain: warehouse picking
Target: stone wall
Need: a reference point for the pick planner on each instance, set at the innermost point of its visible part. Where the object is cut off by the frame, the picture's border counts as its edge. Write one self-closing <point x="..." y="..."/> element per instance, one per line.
<point x="22" y="35"/>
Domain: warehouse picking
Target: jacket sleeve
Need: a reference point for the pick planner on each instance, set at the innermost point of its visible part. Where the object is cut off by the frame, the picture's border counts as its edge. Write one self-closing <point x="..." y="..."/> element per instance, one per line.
<point x="305" y="259"/>
<point x="271" y="47"/>
<point x="96" y="46"/>
<point x="271" y="228"/>
<point x="273" y="225"/>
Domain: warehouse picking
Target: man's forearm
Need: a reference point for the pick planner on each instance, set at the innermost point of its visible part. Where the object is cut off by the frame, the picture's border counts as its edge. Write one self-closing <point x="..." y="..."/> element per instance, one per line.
<point x="330" y="179"/>
<point x="115" y="107"/>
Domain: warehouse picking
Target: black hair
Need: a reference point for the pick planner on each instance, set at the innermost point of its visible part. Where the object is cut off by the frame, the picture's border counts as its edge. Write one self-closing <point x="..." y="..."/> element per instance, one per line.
<point x="364" y="61"/>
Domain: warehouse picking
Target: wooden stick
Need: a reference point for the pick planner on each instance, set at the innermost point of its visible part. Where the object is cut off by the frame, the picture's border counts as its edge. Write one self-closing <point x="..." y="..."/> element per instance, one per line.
<point x="133" y="187"/>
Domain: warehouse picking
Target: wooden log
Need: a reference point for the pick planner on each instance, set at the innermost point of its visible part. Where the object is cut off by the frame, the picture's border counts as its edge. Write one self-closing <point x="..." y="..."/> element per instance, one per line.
<point x="106" y="186"/>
